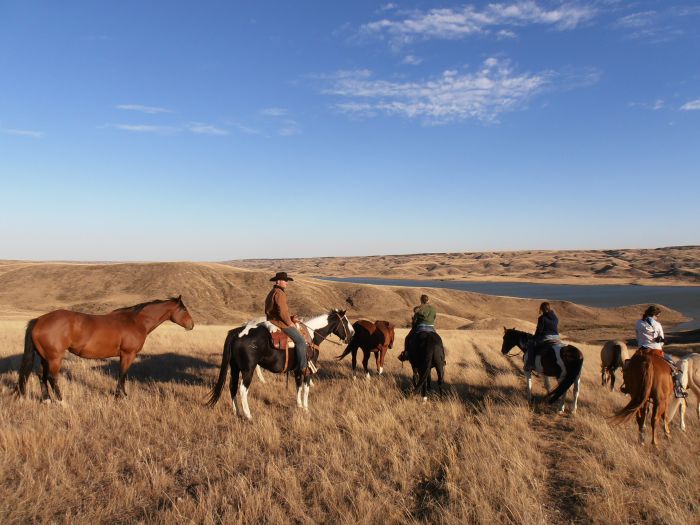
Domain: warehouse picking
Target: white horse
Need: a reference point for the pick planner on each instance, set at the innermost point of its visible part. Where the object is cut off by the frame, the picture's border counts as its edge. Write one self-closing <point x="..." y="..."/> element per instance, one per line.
<point x="690" y="366"/>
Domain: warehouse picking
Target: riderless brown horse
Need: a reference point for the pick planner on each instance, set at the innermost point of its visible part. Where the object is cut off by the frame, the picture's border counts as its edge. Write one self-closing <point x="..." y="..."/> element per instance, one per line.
<point x="647" y="379"/>
<point x="559" y="360"/>
<point x="612" y="356"/>
<point x="119" y="333"/>
<point x="372" y="337"/>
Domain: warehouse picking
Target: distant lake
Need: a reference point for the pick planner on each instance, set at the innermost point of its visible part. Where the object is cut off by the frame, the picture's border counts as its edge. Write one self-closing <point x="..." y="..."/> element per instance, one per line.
<point x="685" y="299"/>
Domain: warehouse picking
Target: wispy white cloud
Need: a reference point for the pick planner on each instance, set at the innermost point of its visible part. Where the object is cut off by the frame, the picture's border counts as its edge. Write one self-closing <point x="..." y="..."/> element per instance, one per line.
<point x="454" y="96"/>
<point x="199" y="128"/>
<point x="506" y="33"/>
<point x="151" y="110"/>
<point x="144" y="128"/>
<point x="273" y="112"/>
<point x="656" y="26"/>
<point x="692" y="105"/>
<point x="23" y="132"/>
<point x="411" y="60"/>
<point x="289" y="128"/>
<point x="654" y="106"/>
<point x="452" y="24"/>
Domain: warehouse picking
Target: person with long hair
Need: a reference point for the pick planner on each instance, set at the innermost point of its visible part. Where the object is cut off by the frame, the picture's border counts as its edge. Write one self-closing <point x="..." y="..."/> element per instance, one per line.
<point x="546" y="333"/>
<point x="650" y="337"/>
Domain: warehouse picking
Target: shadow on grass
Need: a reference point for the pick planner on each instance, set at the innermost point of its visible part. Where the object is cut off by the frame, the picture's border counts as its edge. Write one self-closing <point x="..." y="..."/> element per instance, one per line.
<point x="164" y="368"/>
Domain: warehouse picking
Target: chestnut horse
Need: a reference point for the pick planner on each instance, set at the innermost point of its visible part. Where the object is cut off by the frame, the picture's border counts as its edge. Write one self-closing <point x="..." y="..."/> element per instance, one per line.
<point x="647" y="379"/>
<point x="612" y="356"/>
<point x="119" y="333"/>
<point x="372" y="337"/>
<point x="564" y="362"/>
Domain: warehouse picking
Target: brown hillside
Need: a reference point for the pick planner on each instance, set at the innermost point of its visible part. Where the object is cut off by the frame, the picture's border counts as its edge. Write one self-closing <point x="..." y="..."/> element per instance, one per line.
<point x="221" y="294"/>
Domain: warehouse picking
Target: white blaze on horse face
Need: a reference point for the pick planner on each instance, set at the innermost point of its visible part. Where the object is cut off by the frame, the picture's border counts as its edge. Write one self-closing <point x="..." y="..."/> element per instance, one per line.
<point x="244" y="400"/>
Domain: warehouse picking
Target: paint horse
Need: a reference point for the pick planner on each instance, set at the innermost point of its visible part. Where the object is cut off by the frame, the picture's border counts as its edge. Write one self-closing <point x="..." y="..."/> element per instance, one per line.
<point x="612" y="356"/>
<point x="119" y="333"/>
<point x="647" y="379"/>
<point x="372" y="337"/>
<point x="251" y="345"/>
<point x="564" y="362"/>
<point x="690" y="367"/>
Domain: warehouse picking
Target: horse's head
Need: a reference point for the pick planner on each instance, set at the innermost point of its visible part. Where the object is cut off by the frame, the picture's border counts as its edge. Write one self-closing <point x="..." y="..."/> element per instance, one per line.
<point x="339" y="325"/>
<point x="180" y="315"/>
<point x="511" y="338"/>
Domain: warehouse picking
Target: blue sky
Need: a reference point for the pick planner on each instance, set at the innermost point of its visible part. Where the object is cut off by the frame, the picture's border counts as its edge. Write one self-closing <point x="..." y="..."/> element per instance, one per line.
<point x="216" y="130"/>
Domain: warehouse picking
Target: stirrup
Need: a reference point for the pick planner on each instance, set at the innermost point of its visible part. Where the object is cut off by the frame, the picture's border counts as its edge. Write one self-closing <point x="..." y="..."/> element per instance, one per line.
<point x="311" y="366"/>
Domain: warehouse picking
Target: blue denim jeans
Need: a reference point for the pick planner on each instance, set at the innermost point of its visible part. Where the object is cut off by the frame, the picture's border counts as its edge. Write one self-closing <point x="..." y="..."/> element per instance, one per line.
<point x="299" y="344"/>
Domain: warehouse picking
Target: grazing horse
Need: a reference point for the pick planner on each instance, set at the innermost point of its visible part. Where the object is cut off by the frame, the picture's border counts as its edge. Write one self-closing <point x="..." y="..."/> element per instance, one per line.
<point x="119" y="333"/>
<point x="612" y="356"/>
<point x="647" y="379"/>
<point x="564" y="362"/>
<point x="245" y="348"/>
<point x="690" y="366"/>
<point x="372" y="337"/>
<point x="425" y="353"/>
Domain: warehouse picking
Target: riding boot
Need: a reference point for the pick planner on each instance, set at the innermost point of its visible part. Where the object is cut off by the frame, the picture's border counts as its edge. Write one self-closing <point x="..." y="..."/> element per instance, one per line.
<point x="678" y="389"/>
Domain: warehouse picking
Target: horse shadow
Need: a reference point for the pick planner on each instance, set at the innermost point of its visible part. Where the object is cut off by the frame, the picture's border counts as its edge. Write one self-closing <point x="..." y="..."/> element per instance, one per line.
<point x="9" y="364"/>
<point x="164" y="368"/>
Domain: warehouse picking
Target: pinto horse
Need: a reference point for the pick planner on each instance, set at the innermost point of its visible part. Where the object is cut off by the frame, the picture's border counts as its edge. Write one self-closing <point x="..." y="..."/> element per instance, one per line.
<point x="119" y="333"/>
<point x="647" y="379"/>
<point x="690" y="380"/>
<point x="372" y="337"/>
<point x="564" y="362"/>
<point x="612" y="356"/>
<point x="245" y="348"/>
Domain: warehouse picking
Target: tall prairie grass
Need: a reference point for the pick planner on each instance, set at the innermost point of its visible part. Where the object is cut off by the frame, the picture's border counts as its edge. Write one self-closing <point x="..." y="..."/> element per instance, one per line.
<point x="369" y="451"/>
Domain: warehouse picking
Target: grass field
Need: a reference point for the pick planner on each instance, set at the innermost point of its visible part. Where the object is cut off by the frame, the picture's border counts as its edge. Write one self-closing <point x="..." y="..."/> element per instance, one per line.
<point x="369" y="451"/>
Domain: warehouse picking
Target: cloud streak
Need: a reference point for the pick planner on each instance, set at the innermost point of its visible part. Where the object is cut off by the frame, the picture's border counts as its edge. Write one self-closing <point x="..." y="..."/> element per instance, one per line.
<point x="150" y="110"/>
<point x="23" y="133"/>
<point x="454" y="24"/>
<point x="693" y="105"/>
<point x="453" y="96"/>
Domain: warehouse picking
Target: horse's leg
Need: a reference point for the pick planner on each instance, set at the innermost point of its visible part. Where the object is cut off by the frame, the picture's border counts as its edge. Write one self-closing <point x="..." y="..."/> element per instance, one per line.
<point x="298" y="379"/>
<point x="547" y="386"/>
<point x="354" y="361"/>
<point x="233" y="387"/>
<point x="244" y="388"/>
<point x="655" y="416"/>
<point x="563" y="396"/>
<point x="45" y="397"/>
<point x="603" y="375"/>
<point x="528" y="376"/>
<point x="259" y="372"/>
<point x="125" y="360"/>
<point x="612" y="379"/>
<point x="365" y="362"/>
<point x="381" y="360"/>
<point x="54" y="371"/>
<point x="684" y="405"/>
<point x="440" y="369"/>
<point x="377" y="355"/>
<point x="641" y="420"/>
<point x="306" y="392"/>
<point x="577" y="385"/>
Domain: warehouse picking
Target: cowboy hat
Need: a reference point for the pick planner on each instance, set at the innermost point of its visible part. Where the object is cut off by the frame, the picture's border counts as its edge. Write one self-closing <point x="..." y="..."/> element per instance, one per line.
<point x="281" y="276"/>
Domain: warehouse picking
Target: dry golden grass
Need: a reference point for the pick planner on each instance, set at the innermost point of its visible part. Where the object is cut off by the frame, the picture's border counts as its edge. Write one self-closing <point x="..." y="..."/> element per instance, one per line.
<point x="368" y="451"/>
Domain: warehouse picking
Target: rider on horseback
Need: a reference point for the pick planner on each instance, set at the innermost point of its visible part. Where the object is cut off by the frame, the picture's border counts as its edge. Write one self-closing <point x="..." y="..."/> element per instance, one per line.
<point x="277" y="313"/>
<point x="423" y="321"/>
<point x="547" y="333"/>
<point x="650" y="337"/>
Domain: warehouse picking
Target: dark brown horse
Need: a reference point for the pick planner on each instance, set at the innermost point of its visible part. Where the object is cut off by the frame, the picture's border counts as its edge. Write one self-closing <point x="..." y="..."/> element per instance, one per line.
<point x="648" y="379"/>
<point x="564" y="362"/>
<point x="119" y="333"/>
<point x="372" y="337"/>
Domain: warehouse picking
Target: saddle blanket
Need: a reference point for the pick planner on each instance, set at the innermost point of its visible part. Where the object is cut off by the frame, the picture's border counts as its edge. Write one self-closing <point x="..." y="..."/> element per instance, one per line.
<point x="254" y="323"/>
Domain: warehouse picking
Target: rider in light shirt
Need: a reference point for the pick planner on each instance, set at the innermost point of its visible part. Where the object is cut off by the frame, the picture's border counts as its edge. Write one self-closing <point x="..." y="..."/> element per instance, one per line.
<point x="650" y="336"/>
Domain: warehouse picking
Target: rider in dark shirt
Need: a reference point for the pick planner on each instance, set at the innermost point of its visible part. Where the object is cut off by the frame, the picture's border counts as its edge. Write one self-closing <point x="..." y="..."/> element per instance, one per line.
<point x="547" y="332"/>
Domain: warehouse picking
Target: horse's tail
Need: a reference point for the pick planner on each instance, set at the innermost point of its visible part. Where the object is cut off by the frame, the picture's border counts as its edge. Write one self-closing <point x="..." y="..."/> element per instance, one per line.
<point x="27" y="359"/>
<point x="430" y="351"/>
<point x="617" y="361"/>
<point x="572" y="373"/>
<point x="640" y="396"/>
<point x="215" y="393"/>
<point x="347" y="351"/>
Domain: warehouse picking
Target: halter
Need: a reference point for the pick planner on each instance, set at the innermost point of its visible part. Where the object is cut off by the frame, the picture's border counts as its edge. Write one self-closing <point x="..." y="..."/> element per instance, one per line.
<point x="520" y="339"/>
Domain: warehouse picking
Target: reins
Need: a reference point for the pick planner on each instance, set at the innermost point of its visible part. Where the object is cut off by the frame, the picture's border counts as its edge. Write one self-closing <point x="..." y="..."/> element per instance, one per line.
<point x="325" y="338"/>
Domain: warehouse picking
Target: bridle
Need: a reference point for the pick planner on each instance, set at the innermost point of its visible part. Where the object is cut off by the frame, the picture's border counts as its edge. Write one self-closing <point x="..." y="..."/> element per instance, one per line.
<point x="325" y="337"/>
<point x="520" y="348"/>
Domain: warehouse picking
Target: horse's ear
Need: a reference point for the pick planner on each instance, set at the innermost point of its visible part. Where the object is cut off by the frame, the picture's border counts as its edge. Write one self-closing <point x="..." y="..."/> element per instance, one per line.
<point x="505" y="329"/>
<point x="179" y="298"/>
<point x="342" y="312"/>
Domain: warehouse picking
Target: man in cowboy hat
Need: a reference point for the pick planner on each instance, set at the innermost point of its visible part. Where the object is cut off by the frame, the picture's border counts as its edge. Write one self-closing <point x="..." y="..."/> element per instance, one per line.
<point x="277" y="313"/>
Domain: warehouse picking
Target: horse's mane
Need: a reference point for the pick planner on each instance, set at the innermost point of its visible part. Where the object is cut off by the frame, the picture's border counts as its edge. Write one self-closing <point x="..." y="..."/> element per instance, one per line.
<point x="138" y="307"/>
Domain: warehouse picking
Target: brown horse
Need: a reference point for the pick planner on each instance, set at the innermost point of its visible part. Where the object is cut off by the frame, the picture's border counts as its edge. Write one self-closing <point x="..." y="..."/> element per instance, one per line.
<point x="647" y="379"/>
<point x="119" y="333"/>
<point x="372" y="337"/>
<point x="612" y="356"/>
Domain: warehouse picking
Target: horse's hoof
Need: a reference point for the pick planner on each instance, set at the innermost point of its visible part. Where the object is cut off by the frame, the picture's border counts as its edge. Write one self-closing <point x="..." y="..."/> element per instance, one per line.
<point x="425" y="400"/>
<point x="46" y="401"/>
